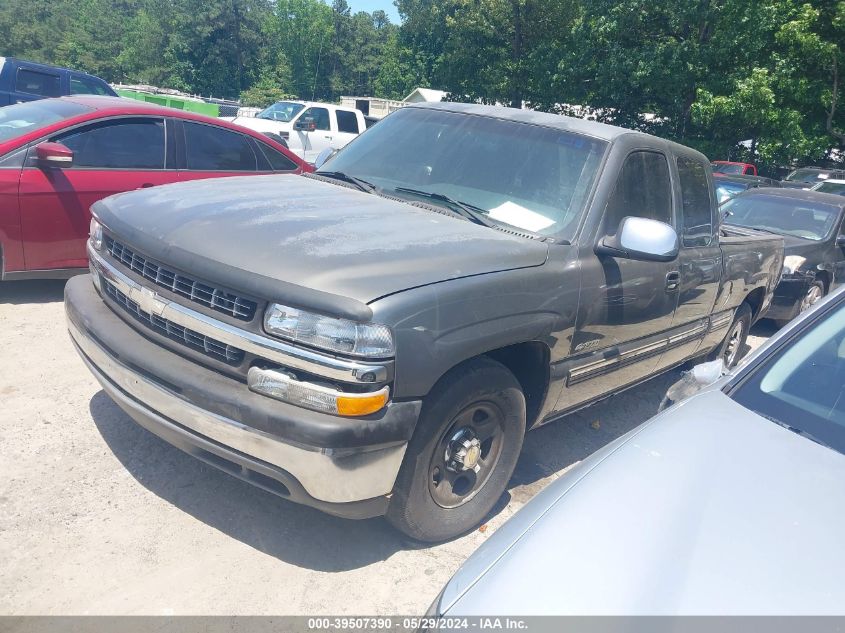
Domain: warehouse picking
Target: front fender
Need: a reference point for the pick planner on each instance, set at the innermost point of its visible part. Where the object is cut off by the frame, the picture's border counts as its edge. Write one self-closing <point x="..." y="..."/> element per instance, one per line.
<point x="441" y="325"/>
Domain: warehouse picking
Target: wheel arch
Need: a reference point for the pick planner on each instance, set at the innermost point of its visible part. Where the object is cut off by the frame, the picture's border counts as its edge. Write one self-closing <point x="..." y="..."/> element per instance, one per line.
<point x="755" y="300"/>
<point x="529" y="362"/>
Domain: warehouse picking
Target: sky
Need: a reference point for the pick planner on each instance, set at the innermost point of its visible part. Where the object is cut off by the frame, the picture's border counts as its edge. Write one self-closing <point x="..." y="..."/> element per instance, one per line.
<point x="374" y="5"/>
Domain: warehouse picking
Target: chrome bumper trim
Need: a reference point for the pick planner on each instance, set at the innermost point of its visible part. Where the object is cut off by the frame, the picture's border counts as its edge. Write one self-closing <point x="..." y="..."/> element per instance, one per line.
<point x="270" y="349"/>
<point x="325" y="476"/>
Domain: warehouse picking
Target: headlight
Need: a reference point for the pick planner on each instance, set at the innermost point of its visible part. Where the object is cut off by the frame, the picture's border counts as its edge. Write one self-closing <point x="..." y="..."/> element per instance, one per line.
<point x="95" y="232"/>
<point x="792" y="263"/>
<point x="335" y="335"/>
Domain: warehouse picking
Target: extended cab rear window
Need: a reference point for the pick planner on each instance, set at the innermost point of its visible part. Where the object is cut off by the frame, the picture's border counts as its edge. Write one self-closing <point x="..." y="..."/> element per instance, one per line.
<point x="23" y="118"/>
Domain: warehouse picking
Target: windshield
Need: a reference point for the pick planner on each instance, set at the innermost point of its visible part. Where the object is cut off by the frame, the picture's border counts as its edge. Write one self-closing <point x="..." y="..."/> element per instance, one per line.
<point x="803" y="386"/>
<point x="531" y="177"/>
<point x="783" y="215"/>
<point x="727" y="190"/>
<point x="807" y="175"/>
<point x="724" y="168"/>
<point x="22" y="118"/>
<point x="283" y="111"/>
<point x="831" y="187"/>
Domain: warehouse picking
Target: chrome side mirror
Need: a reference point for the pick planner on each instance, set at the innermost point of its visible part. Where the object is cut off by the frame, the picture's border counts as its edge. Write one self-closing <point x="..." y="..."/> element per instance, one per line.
<point x="641" y="239"/>
<point x="324" y="156"/>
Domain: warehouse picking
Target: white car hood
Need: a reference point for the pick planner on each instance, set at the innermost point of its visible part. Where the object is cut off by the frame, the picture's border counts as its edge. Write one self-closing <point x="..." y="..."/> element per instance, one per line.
<point x="708" y="509"/>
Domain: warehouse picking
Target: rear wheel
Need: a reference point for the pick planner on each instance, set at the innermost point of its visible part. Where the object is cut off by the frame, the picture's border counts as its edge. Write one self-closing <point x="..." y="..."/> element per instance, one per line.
<point x="732" y="348"/>
<point x="462" y="454"/>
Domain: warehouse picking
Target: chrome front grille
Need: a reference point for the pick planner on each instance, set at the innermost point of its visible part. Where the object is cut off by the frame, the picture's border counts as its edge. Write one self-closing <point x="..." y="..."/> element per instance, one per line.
<point x="209" y="296"/>
<point x="190" y="338"/>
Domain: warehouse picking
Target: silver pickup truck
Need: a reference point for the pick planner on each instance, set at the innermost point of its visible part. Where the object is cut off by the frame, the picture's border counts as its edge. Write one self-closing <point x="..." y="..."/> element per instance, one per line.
<point x="376" y="338"/>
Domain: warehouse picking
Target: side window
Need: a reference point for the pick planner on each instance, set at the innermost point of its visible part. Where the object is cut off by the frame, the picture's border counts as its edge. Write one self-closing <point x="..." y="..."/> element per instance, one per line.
<point x="644" y="190"/>
<point x="347" y="122"/>
<point x="37" y="83"/>
<point x="697" y="207"/>
<point x="210" y="148"/>
<point x="278" y="161"/>
<point x="80" y="85"/>
<point x="120" y="144"/>
<point x="320" y="116"/>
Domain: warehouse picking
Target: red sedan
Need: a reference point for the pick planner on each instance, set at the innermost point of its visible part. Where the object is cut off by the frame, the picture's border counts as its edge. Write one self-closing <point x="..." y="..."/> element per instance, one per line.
<point x="59" y="156"/>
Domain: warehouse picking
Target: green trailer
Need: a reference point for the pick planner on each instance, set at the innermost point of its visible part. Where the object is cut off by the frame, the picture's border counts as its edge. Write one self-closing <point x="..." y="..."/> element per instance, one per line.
<point x="171" y="101"/>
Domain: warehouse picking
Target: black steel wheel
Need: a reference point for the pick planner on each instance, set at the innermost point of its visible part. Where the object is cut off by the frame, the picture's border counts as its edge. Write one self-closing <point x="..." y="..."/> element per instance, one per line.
<point x="463" y="452"/>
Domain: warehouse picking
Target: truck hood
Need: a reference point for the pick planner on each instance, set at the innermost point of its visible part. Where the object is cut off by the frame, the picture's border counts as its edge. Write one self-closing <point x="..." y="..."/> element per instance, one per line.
<point x="707" y="510"/>
<point x="262" y="125"/>
<point x="293" y="238"/>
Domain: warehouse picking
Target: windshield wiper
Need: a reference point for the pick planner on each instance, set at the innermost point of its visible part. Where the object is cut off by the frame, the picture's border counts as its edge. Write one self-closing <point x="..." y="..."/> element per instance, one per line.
<point x="467" y="211"/>
<point x="794" y="429"/>
<point x="363" y="185"/>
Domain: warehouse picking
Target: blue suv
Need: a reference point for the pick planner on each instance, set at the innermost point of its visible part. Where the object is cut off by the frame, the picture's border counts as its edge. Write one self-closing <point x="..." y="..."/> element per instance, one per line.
<point x="21" y="80"/>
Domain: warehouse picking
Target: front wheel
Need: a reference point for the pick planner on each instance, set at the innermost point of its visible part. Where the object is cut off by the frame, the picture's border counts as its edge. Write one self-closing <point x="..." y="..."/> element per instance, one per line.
<point x="463" y="452"/>
<point x="813" y="295"/>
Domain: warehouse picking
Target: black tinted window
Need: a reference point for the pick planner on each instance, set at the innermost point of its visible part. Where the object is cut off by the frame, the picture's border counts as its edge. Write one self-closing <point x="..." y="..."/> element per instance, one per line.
<point x="696" y="209"/>
<point x="80" y="85"/>
<point x="212" y="148"/>
<point x="643" y="190"/>
<point x="278" y="161"/>
<point x="320" y="117"/>
<point x="36" y="83"/>
<point x="347" y="122"/>
<point x="121" y="144"/>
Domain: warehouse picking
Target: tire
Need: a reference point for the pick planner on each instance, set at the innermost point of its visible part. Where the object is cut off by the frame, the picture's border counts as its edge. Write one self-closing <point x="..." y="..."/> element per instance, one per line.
<point x="437" y="495"/>
<point x="732" y="349"/>
<point x="813" y="295"/>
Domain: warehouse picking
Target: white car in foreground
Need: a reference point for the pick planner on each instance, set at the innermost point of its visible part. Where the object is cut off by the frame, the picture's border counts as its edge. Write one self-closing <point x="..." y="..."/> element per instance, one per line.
<point x="307" y="127"/>
<point x="731" y="502"/>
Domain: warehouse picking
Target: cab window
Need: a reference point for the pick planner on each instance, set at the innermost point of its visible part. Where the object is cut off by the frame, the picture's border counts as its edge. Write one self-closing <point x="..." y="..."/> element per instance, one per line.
<point x="37" y="83"/>
<point x="347" y="122"/>
<point x="696" y="203"/>
<point x="320" y="117"/>
<point x="643" y="190"/>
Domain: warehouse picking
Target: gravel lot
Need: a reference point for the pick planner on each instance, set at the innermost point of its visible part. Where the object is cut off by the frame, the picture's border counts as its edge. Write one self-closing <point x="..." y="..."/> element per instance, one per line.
<point x="98" y="516"/>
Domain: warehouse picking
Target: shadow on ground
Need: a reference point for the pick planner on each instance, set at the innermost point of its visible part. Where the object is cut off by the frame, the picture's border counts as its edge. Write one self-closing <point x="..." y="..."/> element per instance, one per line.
<point x="308" y="538"/>
<point x="42" y="291"/>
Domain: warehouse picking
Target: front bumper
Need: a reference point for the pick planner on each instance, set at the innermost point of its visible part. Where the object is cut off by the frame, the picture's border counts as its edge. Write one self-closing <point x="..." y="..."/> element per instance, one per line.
<point x="787" y="297"/>
<point x="343" y="466"/>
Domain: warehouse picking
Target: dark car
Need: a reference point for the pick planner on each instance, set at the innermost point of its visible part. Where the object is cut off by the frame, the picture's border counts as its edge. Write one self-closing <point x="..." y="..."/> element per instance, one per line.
<point x="22" y="80"/>
<point x="376" y="337"/>
<point x="811" y="224"/>
<point x="806" y="177"/>
<point x="727" y="186"/>
<point x="60" y="156"/>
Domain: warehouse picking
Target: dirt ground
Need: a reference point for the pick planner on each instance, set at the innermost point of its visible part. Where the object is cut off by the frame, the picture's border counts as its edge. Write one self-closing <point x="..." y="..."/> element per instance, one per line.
<point x="98" y="516"/>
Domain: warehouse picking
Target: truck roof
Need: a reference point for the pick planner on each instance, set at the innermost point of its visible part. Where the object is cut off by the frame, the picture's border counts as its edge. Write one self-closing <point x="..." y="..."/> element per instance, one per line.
<point x="597" y="130"/>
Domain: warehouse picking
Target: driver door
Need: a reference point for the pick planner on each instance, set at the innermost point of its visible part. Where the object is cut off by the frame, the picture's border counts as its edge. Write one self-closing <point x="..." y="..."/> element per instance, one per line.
<point x="626" y="306"/>
<point x="315" y="141"/>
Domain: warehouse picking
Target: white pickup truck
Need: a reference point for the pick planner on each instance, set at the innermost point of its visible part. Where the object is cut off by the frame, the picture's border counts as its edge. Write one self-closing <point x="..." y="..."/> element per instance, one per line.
<point x="307" y="127"/>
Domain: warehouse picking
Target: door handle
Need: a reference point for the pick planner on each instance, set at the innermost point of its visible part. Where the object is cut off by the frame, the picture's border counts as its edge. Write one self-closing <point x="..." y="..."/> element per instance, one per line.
<point x="328" y="138"/>
<point x="146" y="185"/>
<point x="673" y="280"/>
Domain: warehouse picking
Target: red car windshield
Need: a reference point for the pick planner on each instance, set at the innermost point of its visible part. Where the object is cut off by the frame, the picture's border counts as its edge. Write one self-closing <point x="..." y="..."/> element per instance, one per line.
<point x="22" y="118"/>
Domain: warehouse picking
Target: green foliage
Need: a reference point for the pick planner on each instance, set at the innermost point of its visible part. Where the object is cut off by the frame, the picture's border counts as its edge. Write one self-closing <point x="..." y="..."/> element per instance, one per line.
<point x="754" y="79"/>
